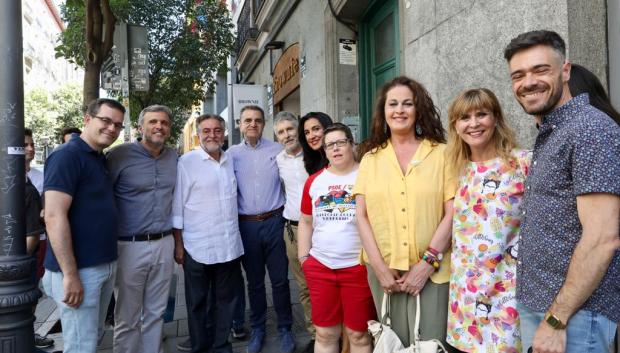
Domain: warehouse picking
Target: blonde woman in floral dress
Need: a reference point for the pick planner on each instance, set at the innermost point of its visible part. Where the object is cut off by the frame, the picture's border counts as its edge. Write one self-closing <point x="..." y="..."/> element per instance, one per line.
<point x="482" y="316"/>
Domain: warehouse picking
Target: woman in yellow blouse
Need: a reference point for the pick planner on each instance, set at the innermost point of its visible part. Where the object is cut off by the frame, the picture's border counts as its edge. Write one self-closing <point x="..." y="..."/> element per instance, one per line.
<point x="404" y="193"/>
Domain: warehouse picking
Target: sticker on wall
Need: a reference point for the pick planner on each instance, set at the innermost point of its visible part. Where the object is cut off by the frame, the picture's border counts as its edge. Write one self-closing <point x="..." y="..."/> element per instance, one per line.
<point x="302" y="66"/>
<point x="353" y="122"/>
<point x="348" y="51"/>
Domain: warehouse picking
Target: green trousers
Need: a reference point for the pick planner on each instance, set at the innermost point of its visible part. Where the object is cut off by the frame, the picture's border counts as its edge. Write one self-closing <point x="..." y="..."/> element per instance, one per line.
<point x="433" y="314"/>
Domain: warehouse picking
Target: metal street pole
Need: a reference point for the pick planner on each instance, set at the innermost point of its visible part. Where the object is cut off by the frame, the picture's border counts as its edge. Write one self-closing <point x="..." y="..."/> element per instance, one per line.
<point x="18" y="292"/>
<point x="123" y="49"/>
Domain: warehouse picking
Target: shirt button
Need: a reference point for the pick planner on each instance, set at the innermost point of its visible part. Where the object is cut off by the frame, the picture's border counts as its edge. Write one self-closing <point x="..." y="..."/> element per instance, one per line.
<point x="523" y="213"/>
<point x="520" y="262"/>
<point x="535" y="162"/>
<point x="405" y="244"/>
<point x="553" y="126"/>
<point x="403" y="210"/>
<point x="527" y="187"/>
<point x="402" y="192"/>
<point x="404" y="227"/>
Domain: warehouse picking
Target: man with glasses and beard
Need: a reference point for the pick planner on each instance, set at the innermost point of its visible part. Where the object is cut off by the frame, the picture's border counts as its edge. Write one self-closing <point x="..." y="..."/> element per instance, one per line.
<point x="207" y="239"/>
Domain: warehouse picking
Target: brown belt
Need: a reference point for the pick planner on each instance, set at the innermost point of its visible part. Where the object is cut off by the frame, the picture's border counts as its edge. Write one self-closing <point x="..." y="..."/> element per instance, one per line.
<point x="260" y="217"/>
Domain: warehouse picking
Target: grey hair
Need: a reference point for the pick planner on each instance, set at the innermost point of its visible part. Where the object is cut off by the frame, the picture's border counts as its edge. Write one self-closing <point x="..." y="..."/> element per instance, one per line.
<point x="155" y="108"/>
<point x="285" y="116"/>
<point x="204" y="117"/>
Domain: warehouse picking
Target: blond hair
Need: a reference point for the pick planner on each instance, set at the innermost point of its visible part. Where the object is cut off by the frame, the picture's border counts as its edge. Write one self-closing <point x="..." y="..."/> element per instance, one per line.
<point x="503" y="139"/>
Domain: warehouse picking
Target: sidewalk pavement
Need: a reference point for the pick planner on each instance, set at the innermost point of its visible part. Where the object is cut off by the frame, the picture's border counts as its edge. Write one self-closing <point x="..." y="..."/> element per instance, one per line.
<point x="177" y="331"/>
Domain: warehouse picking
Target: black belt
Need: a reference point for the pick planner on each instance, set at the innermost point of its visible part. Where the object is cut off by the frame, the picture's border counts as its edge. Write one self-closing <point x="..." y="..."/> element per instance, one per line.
<point x="146" y="237"/>
<point x="261" y="217"/>
<point x="293" y="223"/>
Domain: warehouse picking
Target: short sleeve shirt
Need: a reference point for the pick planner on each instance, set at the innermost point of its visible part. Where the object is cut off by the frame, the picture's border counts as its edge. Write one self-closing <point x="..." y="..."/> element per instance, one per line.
<point x="577" y="152"/>
<point x="329" y="199"/>
<point x="78" y="170"/>
<point x="405" y="210"/>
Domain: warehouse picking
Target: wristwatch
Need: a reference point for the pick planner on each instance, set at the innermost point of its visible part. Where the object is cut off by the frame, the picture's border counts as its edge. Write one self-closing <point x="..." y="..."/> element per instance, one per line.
<point x="554" y="322"/>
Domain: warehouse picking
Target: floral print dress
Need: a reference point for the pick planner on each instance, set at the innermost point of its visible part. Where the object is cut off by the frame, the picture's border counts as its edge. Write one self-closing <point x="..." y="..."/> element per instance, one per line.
<point x="482" y="316"/>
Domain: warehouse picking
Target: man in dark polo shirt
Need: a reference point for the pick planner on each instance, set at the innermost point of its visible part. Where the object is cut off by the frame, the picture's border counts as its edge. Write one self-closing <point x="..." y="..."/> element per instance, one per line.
<point x="568" y="269"/>
<point x="144" y="175"/>
<point x="82" y="225"/>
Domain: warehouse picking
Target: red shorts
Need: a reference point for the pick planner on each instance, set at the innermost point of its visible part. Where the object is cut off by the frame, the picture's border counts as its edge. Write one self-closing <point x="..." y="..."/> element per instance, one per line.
<point x="339" y="296"/>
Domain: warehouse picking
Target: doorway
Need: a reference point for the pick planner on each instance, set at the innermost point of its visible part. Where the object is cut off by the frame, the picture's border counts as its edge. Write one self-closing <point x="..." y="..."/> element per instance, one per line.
<point x="379" y="54"/>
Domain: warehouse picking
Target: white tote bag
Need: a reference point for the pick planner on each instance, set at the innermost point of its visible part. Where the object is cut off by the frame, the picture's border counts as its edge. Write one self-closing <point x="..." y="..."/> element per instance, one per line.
<point x="386" y="340"/>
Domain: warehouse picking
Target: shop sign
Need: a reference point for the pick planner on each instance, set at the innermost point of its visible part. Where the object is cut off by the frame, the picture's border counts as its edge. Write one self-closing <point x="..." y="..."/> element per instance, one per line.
<point x="247" y="95"/>
<point x="286" y="73"/>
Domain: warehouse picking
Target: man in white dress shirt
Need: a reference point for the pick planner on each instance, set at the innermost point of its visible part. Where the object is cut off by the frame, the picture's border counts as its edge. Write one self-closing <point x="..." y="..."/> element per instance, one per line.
<point x="293" y="175"/>
<point x="207" y="239"/>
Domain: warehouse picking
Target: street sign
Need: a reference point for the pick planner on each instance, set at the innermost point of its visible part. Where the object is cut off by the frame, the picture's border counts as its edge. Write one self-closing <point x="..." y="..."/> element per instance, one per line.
<point x="130" y="44"/>
<point x="138" y="46"/>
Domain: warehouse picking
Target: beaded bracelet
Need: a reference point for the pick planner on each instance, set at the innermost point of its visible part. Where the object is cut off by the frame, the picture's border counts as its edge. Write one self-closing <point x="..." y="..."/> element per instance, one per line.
<point x="431" y="260"/>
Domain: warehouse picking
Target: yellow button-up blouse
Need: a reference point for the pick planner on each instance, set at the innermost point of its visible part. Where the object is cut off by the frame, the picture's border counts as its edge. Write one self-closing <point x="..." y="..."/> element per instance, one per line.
<point x="405" y="210"/>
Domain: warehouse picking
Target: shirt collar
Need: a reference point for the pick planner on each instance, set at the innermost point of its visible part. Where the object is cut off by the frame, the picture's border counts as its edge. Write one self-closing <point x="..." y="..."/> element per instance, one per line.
<point x="561" y="114"/>
<point x="78" y="142"/>
<point x="425" y="148"/>
<point x="146" y="152"/>
<point x="298" y="155"/>
<point x="205" y="156"/>
<point x="258" y="143"/>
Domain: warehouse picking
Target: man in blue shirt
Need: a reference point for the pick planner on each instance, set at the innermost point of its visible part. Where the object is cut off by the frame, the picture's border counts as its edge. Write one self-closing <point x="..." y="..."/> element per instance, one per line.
<point x="144" y="175"/>
<point x="568" y="269"/>
<point x="82" y="225"/>
<point x="261" y="202"/>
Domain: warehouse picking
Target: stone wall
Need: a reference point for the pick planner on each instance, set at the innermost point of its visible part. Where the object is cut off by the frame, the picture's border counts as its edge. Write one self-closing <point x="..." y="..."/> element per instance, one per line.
<point x="451" y="45"/>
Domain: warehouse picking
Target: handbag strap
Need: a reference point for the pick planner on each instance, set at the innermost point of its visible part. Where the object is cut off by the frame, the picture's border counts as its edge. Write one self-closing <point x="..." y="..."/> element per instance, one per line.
<point x="416" y="328"/>
<point x="385" y="310"/>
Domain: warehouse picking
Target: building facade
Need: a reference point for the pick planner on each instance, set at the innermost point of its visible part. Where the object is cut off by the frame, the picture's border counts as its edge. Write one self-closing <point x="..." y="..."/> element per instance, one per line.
<point x="333" y="55"/>
<point x="41" y="25"/>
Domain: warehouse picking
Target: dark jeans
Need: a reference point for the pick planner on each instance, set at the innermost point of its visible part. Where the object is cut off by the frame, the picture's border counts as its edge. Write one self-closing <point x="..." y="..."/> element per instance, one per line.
<point x="209" y="325"/>
<point x="264" y="247"/>
<point x="239" y="315"/>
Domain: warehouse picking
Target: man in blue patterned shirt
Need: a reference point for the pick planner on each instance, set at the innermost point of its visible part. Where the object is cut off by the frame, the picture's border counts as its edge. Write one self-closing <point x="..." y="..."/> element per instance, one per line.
<point x="568" y="272"/>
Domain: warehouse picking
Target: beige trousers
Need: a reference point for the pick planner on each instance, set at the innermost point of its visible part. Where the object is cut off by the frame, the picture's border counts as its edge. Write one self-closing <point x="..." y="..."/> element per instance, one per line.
<point x="290" y="239"/>
<point x="142" y="285"/>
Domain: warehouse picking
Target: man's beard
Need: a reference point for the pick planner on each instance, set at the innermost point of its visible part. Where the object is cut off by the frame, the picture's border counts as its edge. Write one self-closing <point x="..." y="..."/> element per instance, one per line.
<point x="550" y="104"/>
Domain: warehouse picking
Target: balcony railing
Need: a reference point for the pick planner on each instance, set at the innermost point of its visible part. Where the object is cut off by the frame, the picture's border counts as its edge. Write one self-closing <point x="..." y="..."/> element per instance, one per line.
<point x="245" y="30"/>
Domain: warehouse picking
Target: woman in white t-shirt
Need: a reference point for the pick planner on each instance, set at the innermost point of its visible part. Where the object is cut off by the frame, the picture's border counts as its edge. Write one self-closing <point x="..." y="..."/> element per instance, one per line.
<point x="329" y="249"/>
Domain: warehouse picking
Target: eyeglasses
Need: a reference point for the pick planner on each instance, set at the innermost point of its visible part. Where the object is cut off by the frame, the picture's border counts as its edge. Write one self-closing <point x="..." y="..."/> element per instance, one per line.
<point x="107" y="122"/>
<point x="337" y="143"/>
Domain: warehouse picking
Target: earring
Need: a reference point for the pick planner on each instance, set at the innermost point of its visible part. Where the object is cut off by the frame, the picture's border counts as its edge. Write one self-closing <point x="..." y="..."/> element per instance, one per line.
<point x="418" y="129"/>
